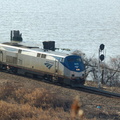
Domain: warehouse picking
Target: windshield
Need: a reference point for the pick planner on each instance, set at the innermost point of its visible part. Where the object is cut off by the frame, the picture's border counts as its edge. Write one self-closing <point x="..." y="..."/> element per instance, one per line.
<point x="74" y="63"/>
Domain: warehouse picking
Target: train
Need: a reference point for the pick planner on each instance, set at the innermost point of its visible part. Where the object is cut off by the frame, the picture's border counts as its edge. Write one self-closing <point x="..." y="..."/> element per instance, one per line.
<point x="54" y="66"/>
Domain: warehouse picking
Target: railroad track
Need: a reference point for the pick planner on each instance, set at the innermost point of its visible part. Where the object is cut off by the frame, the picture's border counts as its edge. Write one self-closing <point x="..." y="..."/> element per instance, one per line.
<point x="88" y="89"/>
<point x="94" y="90"/>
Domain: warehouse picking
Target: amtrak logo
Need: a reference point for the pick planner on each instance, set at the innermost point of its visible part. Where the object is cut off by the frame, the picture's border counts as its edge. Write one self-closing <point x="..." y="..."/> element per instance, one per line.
<point x="48" y="65"/>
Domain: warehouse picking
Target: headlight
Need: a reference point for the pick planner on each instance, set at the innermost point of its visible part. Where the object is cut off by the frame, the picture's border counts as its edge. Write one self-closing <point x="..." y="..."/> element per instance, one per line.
<point x="73" y="75"/>
<point x="78" y="69"/>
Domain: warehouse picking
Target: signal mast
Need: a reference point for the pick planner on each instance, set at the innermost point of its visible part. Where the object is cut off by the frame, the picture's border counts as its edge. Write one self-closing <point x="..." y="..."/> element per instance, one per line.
<point x="100" y="61"/>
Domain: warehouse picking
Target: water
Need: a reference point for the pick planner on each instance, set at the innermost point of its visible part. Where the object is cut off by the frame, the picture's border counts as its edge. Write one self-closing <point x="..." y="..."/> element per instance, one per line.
<point x="74" y="24"/>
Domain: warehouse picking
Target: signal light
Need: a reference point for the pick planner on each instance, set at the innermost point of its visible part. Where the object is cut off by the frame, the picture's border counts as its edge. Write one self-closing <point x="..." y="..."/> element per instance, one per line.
<point x="102" y="57"/>
<point x="102" y="47"/>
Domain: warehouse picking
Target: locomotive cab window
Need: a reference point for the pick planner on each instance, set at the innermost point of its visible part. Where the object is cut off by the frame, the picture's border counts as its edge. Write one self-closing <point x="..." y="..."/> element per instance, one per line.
<point x="74" y="63"/>
<point x="74" y="60"/>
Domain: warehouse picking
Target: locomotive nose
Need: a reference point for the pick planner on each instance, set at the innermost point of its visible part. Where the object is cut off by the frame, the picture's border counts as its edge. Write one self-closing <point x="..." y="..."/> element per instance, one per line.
<point x="75" y="75"/>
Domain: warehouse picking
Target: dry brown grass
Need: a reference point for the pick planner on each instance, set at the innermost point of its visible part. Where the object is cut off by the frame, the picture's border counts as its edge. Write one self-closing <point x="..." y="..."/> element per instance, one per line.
<point x="10" y="111"/>
<point x="17" y="103"/>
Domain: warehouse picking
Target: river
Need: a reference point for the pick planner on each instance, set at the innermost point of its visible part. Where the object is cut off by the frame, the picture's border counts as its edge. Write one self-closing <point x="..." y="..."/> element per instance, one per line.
<point x="74" y="24"/>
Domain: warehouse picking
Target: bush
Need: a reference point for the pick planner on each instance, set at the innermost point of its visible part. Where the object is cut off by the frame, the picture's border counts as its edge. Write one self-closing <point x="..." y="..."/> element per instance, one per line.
<point x="28" y="104"/>
<point x="43" y="98"/>
<point x="10" y="111"/>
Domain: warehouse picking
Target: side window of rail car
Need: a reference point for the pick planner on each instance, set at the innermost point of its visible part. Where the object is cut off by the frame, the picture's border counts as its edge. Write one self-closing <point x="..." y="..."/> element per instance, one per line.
<point x="43" y="56"/>
<point x="19" y="51"/>
<point x="38" y="54"/>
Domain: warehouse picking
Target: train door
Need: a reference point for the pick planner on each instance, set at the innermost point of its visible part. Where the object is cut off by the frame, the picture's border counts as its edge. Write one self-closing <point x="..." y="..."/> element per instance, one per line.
<point x="55" y="77"/>
<point x="56" y="67"/>
<point x="1" y="56"/>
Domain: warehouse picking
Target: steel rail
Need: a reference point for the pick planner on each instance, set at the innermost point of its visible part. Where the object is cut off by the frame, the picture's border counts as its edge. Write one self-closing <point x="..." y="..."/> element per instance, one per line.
<point x="98" y="91"/>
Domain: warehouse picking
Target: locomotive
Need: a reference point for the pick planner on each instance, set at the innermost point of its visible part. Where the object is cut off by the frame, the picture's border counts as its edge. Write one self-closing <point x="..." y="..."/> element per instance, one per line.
<point x="51" y="65"/>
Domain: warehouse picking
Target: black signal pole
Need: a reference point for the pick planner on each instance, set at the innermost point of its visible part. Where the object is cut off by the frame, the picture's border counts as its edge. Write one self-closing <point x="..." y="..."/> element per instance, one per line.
<point x="100" y="60"/>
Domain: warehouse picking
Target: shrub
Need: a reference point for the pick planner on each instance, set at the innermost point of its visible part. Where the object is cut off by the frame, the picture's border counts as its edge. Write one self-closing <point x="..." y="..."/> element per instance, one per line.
<point x="10" y="111"/>
<point x="6" y="90"/>
<point x="30" y="104"/>
<point x="37" y="97"/>
<point x="45" y="99"/>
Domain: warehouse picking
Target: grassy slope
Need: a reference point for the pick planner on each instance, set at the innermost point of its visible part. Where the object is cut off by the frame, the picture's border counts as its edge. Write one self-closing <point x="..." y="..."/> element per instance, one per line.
<point x="25" y="99"/>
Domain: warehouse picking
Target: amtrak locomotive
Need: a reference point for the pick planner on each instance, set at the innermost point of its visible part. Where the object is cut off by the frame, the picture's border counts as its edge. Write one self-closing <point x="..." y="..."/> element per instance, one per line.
<point x="51" y="65"/>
